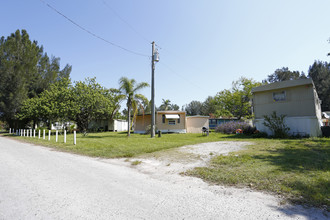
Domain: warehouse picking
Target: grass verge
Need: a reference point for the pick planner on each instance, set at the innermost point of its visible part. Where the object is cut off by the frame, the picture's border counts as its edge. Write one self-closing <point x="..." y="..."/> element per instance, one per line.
<point x="114" y="145"/>
<point x="298" y="170"/>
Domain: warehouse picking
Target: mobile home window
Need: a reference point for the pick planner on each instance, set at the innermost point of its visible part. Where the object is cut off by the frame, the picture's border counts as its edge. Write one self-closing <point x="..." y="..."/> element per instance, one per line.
<point x="279" y="96"/>
<point x="171" y="122"/>
<point x="163" y="118"/>
<point x="179" y="119"/>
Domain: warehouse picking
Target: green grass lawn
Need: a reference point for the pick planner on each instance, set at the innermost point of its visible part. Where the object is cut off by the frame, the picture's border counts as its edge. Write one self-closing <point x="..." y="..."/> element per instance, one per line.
<point x="113" y="145"/>
<point x="297" y="169"/>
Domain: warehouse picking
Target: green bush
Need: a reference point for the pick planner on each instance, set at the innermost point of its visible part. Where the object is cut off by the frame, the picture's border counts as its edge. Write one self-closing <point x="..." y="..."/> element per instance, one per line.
<point x="276" y="124"/>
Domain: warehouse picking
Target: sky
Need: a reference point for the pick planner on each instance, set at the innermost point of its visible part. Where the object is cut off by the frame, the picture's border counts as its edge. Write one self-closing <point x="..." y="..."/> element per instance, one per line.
<point x="203" y="45"/>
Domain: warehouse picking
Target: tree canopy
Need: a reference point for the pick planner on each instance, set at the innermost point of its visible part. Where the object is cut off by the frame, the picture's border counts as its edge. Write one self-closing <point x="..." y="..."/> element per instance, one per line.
<point x="320" y="74"/>
<point x="25" y="72"/>
<point x="237" y="101"/>
<point x="284" y="74"/>
<point x="85" y="101"/>
<point x="167" y="106"/>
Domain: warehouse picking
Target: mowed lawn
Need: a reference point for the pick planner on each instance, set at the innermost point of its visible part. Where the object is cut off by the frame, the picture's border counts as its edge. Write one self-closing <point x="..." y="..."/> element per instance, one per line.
<point x="114" y="145"/>
<point x="296" y="169"/>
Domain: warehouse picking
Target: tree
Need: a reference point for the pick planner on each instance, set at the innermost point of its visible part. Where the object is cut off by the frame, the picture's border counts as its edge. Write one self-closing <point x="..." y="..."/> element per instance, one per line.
<point x="25" y="71"/>
<point x="236" y="102"/>
<point x="209" y="106"/>
<point x="284" y="74"/>
<point x="167" y="106"/>
<point x="81" y="103"/>
<point x="129" y="89"/>
<point x="91" y="101"/>
<point x="320" y="73"/>
<point x="194" y="108"/>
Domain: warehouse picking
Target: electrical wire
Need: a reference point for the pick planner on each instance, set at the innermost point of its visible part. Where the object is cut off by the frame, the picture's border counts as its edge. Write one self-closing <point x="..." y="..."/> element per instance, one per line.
<point x="91" y="33"/>
<point x="185" y="79"/>
<point x="124" y="21"/>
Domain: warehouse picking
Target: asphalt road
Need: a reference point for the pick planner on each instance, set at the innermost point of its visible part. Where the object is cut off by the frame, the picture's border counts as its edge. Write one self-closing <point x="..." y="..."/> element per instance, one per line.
<point x="40" y="183"/>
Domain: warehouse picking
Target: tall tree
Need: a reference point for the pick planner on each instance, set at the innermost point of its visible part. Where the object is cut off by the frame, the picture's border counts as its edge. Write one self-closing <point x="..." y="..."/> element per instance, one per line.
<point x="284" y="74"/>
<point x="25" y="71"/>
<point x="129" y="88"/>
<point x="320" y="73"/>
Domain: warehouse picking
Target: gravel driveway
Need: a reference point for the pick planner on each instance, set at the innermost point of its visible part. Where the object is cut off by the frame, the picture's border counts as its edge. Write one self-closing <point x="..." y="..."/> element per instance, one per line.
<point x="39" y="183"/>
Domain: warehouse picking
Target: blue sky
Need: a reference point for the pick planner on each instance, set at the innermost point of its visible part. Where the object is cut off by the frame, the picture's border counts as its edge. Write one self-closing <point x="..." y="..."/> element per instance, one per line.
<point x="204" y="45"/>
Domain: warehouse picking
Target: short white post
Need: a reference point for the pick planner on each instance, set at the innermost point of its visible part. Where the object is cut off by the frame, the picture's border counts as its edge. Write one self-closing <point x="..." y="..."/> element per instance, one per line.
<point x="17" y="133"/>
<point x="56" y="139"/>
<point x="34" y="133"/>
<point x="39" y="133"/>
<point x="24" y="133"/>
<point x="30" y="132"/>
<point x="49" y="131"/>
<point x="44" y="135"/>
<point x="27" y="132"/>
<point x="74" y="137"/>
<point x="64" y="136"/>
<point x="9" y="130"/>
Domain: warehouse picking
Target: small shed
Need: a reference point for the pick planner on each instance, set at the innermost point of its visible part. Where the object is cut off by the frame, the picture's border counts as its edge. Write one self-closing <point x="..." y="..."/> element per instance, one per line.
<point x="196" y="123"/>
<point x="117" y="125"/>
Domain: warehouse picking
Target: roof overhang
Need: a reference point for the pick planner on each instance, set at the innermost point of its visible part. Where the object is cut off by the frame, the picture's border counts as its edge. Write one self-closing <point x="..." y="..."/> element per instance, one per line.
<point x="282" y="85"/>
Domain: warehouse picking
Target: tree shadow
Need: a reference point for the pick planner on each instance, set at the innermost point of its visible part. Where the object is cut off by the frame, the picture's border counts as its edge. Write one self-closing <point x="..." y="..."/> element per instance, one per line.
<point x="311" y="155"/>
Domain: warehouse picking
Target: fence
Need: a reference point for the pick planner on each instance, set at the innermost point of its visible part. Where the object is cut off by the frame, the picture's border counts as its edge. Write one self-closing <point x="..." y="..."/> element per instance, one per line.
<point x="32" y="133"/>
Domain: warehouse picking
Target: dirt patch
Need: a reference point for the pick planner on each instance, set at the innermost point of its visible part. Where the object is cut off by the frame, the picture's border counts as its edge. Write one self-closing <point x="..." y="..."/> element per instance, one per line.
<point x="175" y="161"/>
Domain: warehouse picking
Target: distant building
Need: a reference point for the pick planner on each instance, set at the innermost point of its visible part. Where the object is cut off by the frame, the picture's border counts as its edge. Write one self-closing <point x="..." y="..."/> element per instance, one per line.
<point x="297" y="99"/>
<point x="116" y="125"/>
<point x="171" y="122"/>
<point x="215" y="122"/>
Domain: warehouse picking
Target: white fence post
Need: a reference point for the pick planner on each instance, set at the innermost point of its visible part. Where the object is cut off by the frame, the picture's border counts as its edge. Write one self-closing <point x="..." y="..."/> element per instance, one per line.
<point x="44" y="134"/>
<point x="9" y="130"/>
<point x="34" y="133"/>
<point x="27" y="132"/>
<point x="30" y="132"/>
<point x="39" y="133"/>
<point x="56" y="139"/>
<point x="64" y="136"/>
<point x="49" y="132"/>
<point x="74" y="137"/>
<point x="17" y="132"/>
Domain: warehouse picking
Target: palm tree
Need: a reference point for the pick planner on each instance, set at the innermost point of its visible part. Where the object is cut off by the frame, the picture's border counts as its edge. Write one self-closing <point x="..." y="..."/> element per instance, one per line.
<point x="129" y="88"/>
<point x="166" y="104"/>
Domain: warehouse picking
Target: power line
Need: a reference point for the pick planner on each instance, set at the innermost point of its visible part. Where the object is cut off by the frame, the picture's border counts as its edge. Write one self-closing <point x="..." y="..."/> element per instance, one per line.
<point x="91" y="33"/>
<point x="124" y="21"/>
<point x="185" y="79"/>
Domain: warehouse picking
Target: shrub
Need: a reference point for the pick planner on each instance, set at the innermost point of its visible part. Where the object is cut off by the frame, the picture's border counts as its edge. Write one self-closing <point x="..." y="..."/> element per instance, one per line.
<point x="231" y="127"/>
<point x="276" y="124"/>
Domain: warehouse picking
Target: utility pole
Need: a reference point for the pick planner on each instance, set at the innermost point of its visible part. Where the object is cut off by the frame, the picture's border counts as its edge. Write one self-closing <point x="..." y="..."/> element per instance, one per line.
<point x="154" y="58"/>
